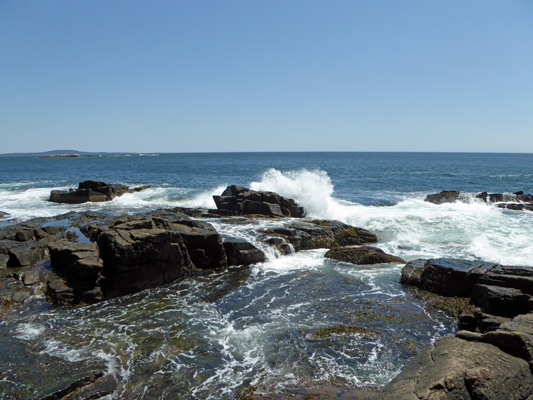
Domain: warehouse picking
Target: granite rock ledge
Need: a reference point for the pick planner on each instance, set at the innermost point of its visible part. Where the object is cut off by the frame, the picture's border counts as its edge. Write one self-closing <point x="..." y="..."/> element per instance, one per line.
<point x="491" y="357"/>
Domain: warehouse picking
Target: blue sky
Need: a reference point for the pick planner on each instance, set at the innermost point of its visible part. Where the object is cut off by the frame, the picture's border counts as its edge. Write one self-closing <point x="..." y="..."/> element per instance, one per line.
<point x="291" y="75"/>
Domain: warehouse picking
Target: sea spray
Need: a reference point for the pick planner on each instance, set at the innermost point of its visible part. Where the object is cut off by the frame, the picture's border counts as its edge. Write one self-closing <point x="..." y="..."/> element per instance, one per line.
<point x="313" y="190"/>
<point x="413" y="228"/>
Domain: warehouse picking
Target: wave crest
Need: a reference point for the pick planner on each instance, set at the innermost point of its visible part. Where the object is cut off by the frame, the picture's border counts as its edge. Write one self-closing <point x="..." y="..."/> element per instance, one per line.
<point x="312" y="189"/>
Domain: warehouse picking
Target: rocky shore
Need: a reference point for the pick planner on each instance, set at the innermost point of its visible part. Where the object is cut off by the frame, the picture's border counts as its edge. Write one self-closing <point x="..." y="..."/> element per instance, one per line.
<point x="85" y="258"/>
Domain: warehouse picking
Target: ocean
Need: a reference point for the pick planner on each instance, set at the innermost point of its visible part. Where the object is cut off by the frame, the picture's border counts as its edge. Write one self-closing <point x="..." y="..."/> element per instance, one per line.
<point x="268" y="328"/>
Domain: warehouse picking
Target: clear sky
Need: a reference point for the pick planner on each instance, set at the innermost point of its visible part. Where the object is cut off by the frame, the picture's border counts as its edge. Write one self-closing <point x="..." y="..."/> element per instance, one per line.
<point x="266" y="75"/>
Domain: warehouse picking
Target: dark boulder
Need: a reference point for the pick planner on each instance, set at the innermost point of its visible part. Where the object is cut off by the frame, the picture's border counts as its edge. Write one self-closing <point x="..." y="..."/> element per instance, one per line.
<point x="456" y="369"/>
<point x="141" y="253"/>
<point x="447" y="277"/>
<point x="241" y="252"/>
<point x="81" y="266"/>
<point x="514" y="337"/>
<point x="517" y="206"/>
<point x="503" y="301"/>
<point x="91" y="191"/>
<point x="77" y="196"/>
<point x="363" y="255"/>
<point x="3" y="214"/>
<point x="203" y="243"/>
<point x="243" y="201"/>
<point x="446" y="196"/>
<point x="25" y="244"/>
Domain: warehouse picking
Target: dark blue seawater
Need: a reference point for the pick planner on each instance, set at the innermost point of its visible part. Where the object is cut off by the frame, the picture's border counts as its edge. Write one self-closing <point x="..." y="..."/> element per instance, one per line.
<point x="220" y="336"/>
<point x="355" y="176"/>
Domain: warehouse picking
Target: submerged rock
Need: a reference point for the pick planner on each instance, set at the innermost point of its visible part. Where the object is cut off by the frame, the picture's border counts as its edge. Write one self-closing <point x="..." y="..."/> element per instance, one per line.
<point x="28" y="373"/>
<point x="92" y="191"/>
<point x="362" y="255"/>
<point x="243" y="201"/>
<point x="3" y="214"/>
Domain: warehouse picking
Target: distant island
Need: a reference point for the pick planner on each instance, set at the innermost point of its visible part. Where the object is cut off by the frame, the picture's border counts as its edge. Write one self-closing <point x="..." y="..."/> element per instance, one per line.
<point x="58" y="153"/>
<point x="64" y="155"/>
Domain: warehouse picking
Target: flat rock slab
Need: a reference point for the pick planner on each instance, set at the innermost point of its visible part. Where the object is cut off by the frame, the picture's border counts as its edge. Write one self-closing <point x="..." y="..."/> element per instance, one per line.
<point x="455" y="369"/>
<point x="514" y="337"/>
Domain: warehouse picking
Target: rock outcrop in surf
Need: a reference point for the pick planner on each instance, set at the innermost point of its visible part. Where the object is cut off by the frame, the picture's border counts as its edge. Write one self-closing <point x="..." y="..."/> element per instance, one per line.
<point x="92" y="191"/>
<point x="238" y="200"/>
<point x="514" y="201"/>
<point x="95" y="257"/>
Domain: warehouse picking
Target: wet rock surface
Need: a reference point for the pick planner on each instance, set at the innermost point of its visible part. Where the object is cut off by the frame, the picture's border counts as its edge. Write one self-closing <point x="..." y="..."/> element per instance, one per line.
<point x="47" y="377"/>
<point x="446" y="196"/>
<point x="95" y="257"/>
<point x="25" y="244"/>
<point x="318" y="392"/>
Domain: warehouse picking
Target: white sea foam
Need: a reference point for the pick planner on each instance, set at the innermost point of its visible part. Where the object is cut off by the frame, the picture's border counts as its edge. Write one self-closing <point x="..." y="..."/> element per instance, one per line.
<point x="204" y="199"/>
<point x="311" y="189"/>
<point x="29" y="331"/>
<point x="310" y="259"/>
<point x="414" y="228"/>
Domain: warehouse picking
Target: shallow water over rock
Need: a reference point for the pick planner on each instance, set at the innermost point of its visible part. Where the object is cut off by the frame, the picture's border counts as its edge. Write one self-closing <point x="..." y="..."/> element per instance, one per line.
<point x="291" y="321"/>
